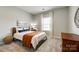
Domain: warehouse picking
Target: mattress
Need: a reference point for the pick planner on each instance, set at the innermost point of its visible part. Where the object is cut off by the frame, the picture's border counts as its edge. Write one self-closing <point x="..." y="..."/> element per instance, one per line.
<point x="35" y="39"/>
<point x="20" y="35"/>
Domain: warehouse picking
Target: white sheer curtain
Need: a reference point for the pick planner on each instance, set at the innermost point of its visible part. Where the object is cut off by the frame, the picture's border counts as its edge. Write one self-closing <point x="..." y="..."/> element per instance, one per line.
<point x="46" y="21"/>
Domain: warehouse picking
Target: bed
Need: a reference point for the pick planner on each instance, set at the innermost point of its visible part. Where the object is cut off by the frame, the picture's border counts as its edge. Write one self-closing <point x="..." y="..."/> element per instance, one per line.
<point x="29" y="38"/>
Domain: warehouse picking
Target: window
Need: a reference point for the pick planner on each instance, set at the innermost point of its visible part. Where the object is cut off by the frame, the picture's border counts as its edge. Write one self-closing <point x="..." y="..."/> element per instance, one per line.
<point x="46" y="23"/>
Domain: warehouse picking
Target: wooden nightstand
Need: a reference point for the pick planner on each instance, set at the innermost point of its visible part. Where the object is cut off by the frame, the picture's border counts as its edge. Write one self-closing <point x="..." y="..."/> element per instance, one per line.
<point x="8" y="39"/>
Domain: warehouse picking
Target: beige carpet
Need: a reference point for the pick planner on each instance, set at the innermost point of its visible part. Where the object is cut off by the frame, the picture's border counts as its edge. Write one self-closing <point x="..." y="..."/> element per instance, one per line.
<point x="13" y="47"/>
<point x="50" y="45"/>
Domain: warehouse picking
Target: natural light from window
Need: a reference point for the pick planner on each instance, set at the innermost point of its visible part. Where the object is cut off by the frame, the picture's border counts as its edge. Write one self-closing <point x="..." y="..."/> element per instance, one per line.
<point x="46" y="23"/>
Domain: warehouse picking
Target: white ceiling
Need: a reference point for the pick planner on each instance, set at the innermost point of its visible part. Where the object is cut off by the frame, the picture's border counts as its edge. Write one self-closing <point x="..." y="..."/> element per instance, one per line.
<point x="38" y="9"/>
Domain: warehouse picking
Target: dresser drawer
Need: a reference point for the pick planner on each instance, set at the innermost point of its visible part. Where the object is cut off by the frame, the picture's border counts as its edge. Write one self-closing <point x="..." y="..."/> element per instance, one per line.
<point x="69" y="45"/>
<point x="70" y="42"/>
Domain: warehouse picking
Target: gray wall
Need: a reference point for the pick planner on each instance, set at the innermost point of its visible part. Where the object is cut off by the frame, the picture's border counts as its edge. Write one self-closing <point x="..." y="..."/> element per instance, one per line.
<point x="9" y="16"/>
<point x="60" y="20"/>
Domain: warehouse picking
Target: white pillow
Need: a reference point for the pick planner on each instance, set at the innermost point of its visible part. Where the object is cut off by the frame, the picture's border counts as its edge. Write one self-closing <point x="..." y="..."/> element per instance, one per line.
<point x="19" y="28"/>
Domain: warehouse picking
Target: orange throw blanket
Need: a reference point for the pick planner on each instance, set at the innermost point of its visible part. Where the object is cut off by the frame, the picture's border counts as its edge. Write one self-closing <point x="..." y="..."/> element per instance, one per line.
<point x="27" y="39"/>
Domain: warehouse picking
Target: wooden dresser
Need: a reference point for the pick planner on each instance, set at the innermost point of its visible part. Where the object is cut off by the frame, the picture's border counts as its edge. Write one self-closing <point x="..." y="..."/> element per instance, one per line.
<point x="70" y="42"/>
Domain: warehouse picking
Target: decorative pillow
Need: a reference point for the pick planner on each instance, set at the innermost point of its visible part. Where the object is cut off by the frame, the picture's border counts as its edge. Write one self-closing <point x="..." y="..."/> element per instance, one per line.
<point x="18" y="29"/>
<point x="26" y="27"/>
<point x="23" y="30"/>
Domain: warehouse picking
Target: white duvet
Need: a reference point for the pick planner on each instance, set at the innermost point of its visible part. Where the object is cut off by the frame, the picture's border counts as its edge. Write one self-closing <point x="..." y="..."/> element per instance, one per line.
<point x="35" y="39"/>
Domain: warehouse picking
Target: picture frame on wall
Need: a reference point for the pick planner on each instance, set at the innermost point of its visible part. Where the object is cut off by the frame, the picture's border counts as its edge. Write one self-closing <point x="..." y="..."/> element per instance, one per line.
<point x="76" y="18"/>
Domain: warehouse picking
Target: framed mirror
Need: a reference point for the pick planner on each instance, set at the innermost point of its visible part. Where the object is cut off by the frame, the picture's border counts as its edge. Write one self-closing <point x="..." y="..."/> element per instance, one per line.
<point x="76" y="18"/>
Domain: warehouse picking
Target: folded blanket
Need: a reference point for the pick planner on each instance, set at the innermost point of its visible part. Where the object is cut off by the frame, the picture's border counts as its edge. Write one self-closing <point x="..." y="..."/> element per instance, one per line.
<point x="27" y="39"/>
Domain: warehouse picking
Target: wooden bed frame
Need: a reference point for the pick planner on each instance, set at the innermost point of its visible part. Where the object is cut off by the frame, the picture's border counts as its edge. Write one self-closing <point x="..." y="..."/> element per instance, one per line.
<point x="13" y="31"/>
<point x="39" y="44"/>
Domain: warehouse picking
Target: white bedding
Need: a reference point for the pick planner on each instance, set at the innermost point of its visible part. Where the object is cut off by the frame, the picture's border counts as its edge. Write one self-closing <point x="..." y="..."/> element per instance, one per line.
<point x="35" y="39"/>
